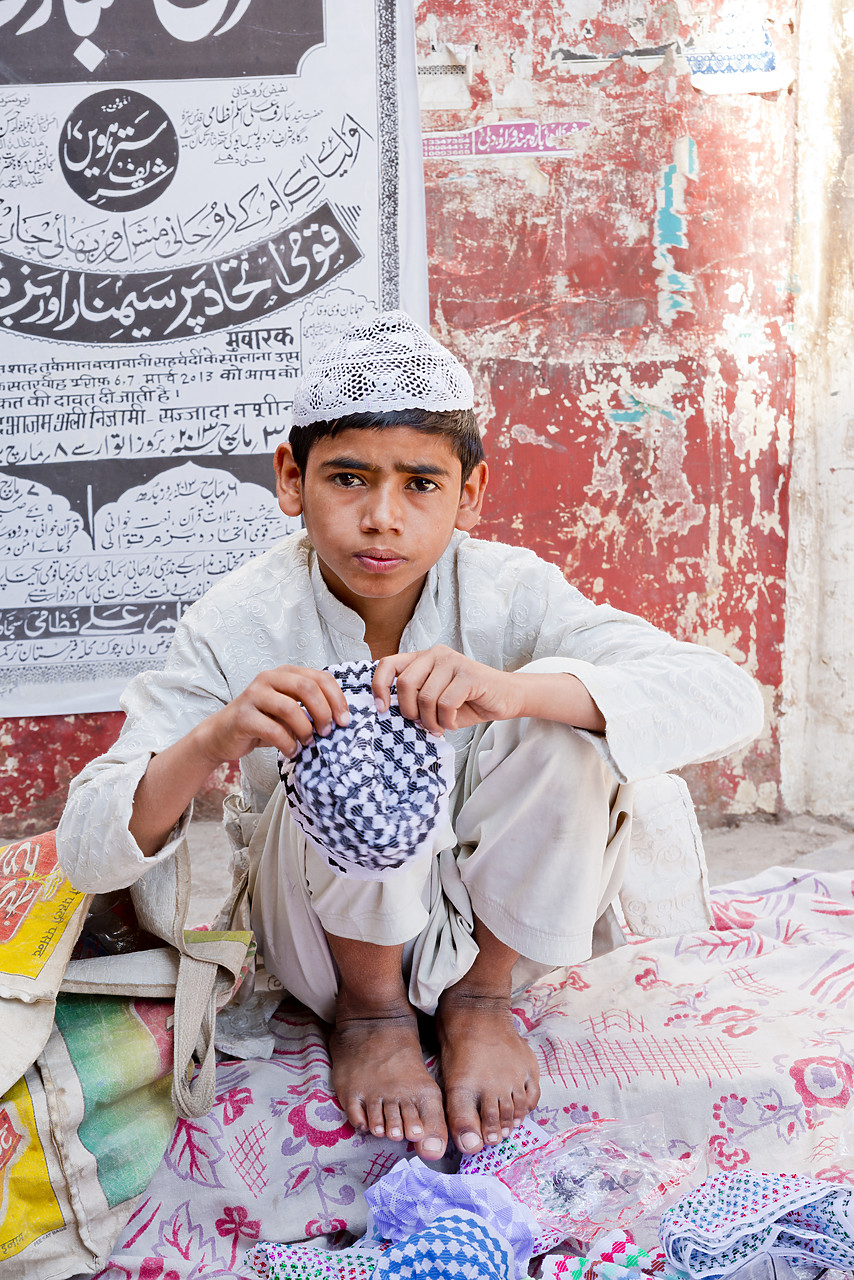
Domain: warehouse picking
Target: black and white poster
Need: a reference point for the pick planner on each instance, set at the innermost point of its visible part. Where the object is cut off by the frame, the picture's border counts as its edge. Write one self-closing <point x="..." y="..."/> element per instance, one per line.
<point x="195" y="199"/>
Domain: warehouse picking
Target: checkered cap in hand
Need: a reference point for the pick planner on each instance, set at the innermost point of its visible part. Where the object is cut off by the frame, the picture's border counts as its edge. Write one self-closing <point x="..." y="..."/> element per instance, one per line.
<point x="371" y="795"/>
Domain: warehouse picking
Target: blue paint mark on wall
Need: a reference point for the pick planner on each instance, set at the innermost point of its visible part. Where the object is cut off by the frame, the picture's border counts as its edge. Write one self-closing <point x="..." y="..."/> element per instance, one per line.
<point x="670" y="230"/>
<point x="636" y="411"/>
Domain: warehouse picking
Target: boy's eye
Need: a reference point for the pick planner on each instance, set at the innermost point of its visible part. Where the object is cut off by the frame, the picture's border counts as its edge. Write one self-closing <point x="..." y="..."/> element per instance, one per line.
<point x="346" y="479"/>
<point x="421" y="484"/>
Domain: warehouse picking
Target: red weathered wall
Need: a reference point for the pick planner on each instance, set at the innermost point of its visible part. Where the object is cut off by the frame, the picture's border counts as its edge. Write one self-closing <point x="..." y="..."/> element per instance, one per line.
<point x="647" y="456"/>
<point x="649" y="459"/>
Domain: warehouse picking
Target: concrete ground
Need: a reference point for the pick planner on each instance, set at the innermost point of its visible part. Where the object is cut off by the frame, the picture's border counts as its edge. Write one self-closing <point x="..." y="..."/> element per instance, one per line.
<point x="733" y="853"/>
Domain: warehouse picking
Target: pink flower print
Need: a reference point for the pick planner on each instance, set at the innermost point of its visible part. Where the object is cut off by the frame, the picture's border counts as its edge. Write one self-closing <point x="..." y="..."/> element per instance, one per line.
<point x="320" y="1119"/>
<point x="153" y="1269"/>
<point x="737" y="1020"/>
<point x="318" y="1228"/>
<point x="834" y="1173"/>
<point x="822" y="1081"/>
<point x="574" y="979"/>
<point x="735" y="913"/>
<point x="646" y="978"/>
<point x="725" y="1156"/>
<point x="580" y="1113"/>
<point x="728" y="1111"/>
<point x="236" y="1222"/>
<point x="234" y="1102"/>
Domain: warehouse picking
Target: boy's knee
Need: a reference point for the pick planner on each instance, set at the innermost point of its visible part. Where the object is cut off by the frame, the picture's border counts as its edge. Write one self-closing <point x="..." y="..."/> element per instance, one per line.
<point x="543" y="744"/>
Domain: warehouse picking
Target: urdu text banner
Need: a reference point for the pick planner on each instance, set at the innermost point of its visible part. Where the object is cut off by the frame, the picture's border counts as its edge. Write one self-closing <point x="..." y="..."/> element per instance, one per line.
<point x="195" y="199"/>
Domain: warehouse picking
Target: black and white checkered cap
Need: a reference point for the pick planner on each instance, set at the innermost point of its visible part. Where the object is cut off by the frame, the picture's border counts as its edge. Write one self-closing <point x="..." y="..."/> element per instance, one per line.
<point x="370" y="796"/>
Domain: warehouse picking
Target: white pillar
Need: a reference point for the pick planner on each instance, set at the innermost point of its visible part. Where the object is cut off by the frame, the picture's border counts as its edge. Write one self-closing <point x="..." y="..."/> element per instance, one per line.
<point x="817" y="727"/>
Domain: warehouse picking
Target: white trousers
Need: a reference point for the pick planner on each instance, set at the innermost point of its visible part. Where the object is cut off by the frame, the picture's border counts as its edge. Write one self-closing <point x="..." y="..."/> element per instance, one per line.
<point x="542" y="830"/>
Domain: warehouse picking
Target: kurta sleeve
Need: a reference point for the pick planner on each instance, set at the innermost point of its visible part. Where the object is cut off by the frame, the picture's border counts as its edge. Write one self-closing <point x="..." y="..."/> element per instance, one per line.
<point x="94" y="844"/>
<point x="666" y="703"/>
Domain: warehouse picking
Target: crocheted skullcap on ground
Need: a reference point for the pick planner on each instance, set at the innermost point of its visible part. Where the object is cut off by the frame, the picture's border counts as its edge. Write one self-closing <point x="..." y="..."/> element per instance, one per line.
<point x="390" y="363"/>
<point x="373" y="795"/>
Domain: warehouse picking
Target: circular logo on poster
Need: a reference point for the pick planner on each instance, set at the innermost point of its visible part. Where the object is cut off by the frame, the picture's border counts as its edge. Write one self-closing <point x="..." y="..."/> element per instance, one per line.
<point x="118" y="150"/>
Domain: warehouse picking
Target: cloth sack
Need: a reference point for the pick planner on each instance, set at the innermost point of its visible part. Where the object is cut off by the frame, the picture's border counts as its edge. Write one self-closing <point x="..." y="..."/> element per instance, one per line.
<point x="99" y="1055"/>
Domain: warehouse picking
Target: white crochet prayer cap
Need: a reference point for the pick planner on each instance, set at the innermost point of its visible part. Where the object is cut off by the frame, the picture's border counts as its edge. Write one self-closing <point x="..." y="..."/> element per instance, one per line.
<point x="387" y="364"/>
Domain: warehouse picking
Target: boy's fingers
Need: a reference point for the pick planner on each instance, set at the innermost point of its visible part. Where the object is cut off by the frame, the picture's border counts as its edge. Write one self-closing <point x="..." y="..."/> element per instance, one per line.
<point x="324" y="702"/>
<point x="436" y="709"/>
<point x="384" y="676"/>
<point x="291" y="719"/>
<point x="335" y="697"/>
<point x="319" y="693"/>
<point x="411" y="681"/>
<point x="260" y="727"/>
<point x="295" y="718"/>
<point x="450" y="703"/>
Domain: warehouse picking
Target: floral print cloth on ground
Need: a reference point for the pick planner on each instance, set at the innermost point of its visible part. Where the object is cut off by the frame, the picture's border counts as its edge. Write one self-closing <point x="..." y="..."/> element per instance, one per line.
<point x="742" y="1036"/>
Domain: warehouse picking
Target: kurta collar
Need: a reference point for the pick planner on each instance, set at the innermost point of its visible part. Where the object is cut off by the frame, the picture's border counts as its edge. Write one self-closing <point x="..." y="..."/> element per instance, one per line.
<point x="424" y="627"/>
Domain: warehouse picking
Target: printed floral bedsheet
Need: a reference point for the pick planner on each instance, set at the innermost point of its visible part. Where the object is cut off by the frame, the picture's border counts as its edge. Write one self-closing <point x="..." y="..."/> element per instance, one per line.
<point x="741" y="1036"/>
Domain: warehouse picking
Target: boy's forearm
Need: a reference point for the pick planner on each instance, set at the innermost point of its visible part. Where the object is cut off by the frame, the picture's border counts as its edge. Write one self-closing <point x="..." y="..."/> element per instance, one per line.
<point x="559" y="696"/>
<point x="170" y="782"/>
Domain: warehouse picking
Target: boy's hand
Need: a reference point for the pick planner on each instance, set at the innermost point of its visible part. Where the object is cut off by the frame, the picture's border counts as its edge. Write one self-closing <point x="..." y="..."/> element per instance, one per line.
<point x="282" y="708"/>
<point x="444" y="689"/>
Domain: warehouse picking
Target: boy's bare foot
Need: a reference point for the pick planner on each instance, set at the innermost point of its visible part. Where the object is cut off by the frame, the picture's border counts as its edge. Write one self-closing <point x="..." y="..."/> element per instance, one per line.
<point x="490" y="1075"/>
<point x="379" y="1076"/>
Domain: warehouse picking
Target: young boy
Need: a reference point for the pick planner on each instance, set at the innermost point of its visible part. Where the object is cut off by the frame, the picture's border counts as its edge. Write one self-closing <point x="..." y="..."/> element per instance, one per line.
<point x="554" y="707"/>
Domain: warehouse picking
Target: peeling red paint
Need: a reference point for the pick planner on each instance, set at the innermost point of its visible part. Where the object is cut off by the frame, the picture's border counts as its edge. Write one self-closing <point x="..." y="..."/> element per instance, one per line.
<point x="665" y="486"/>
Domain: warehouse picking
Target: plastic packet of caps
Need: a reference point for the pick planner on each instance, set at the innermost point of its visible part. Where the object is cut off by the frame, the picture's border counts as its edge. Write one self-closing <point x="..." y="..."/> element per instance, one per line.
<point x="596" y="1176"/>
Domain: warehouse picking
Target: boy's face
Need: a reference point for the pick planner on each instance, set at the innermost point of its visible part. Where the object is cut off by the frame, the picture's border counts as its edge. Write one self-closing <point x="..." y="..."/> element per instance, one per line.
<point x="380" y="508"/>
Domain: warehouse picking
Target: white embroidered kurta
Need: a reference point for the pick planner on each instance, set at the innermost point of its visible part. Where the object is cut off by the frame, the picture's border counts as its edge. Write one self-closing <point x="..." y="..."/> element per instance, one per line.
<point x="666" y="703"/>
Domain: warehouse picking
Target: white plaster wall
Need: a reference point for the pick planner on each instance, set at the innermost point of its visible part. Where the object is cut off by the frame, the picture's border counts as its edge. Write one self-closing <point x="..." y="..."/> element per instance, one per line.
<point x="817" y="729"/>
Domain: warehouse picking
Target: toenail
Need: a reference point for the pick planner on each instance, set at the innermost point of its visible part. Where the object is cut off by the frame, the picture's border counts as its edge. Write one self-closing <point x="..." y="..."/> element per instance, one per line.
<point x="394" y="1133"/>
<point x="416" y="1130"/>
<point x="379" y="1130"/>
<point x="492" y="1137"/>
<point x="468" y="1141"/>
<point x="505" y="1133"/>
<point x="433" y="1144"/>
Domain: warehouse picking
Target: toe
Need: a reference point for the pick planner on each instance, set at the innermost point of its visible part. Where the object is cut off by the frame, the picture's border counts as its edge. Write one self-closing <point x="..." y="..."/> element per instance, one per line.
<point x="376" y="1118"/>
<point x="356" y="1114"/>
<point x="464" y="1121"/>
<point x="506" y="1113"/>
<point x="412" y="1126"/>
<point x="432" y="1148"/>
<point x="490" y="1120"/>
<point x="431" y="1117"/>
<point x="393" y="1121"/>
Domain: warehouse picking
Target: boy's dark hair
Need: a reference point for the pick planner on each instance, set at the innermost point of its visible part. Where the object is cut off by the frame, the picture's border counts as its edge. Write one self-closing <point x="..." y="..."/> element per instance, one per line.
<point x="458" y="425"/>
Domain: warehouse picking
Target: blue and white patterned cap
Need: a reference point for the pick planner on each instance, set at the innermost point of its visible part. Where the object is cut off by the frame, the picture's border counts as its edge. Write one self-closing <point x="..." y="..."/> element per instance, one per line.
<point x="371" y="796"/>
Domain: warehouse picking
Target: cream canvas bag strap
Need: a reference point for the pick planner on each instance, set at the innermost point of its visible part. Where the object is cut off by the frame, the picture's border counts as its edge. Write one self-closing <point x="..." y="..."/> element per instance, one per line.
<point x="209" y="968"/>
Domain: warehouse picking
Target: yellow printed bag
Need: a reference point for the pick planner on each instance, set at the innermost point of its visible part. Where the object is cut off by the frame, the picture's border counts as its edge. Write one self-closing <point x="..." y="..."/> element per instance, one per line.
<point x="98" y="1055"/>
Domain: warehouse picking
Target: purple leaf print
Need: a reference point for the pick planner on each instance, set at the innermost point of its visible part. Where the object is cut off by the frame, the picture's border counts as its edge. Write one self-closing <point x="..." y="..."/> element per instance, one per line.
<point x="194" y="1152"/>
